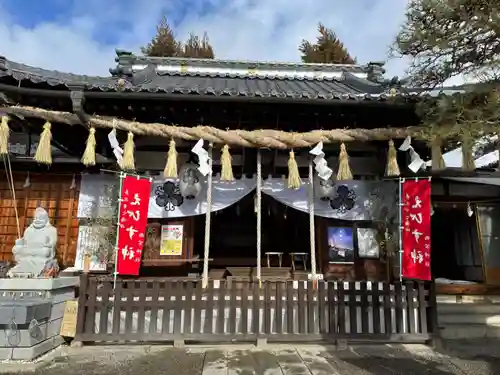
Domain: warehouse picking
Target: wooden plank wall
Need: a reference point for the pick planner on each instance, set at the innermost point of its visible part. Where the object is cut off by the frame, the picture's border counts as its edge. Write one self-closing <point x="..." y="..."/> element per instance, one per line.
<point x="53" y="192"/>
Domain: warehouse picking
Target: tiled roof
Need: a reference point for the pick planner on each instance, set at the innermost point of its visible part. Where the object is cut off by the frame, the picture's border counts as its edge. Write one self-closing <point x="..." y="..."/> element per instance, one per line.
<point x="235" y="68"/>
<point x="21" y="72"/>
<point x="249" y="87"/>
<point x="219" y="78"/>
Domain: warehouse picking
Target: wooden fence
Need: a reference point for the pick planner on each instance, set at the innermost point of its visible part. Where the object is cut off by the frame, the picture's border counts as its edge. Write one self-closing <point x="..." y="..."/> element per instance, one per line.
<point x="288" y="311"/>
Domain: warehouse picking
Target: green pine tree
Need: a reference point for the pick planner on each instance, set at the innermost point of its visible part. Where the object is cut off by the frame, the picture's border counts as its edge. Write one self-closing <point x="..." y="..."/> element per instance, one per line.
<point x="328" y="49"/>
<point x="446" y="38"/>
<point x="164" y="44"/>
<point x="198" y="47"/>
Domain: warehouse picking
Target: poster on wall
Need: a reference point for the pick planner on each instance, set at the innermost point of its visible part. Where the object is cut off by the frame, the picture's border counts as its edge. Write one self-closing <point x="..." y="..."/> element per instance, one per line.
<point x="133" y="220"/>
<point x="171" y="240"/>
<point x="416" y="262"/>
<point x="368" y="245"/>
<point x="340" y="245"/>
<point x="94" y="240"/>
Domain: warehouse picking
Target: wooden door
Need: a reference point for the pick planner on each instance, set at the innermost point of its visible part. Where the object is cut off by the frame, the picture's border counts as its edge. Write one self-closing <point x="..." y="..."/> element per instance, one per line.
<point x="488" y="226"/>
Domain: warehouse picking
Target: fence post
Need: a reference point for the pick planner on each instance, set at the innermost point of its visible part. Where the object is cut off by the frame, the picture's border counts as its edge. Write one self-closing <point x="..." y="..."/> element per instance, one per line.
<point x="432" y="320"/>
<point x="82" y="302"/>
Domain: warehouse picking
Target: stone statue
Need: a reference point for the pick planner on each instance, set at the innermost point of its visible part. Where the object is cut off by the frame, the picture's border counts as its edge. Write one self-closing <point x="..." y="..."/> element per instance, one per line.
<point x="35" y="252"/>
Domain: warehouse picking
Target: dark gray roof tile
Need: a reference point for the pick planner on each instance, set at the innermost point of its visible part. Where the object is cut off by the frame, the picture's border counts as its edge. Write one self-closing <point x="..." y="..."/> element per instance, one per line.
<point x="150" y="79"/>
<point x="53" y="77"/>
<point x="128" y="59"/>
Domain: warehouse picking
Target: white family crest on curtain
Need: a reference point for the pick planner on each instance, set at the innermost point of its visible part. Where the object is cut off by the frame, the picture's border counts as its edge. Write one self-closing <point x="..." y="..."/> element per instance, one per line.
<point x="168" y="202"/>
<point x="98" y="191"/>
<point x="350" y="200"/>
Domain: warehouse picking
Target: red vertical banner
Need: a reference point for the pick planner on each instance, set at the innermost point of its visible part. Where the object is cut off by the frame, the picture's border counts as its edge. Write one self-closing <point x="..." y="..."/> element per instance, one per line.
<point x="416" y="229"/>
<point x="133" y="220"/>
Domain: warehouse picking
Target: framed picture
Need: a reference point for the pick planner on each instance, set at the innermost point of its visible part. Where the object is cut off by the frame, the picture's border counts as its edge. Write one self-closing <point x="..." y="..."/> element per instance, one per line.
<point x="368" y="244"/>
<point x="340" y="245"/>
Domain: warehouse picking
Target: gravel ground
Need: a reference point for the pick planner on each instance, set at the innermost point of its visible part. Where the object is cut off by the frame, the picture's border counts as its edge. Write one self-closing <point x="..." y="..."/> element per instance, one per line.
<point x="464" y="358"/>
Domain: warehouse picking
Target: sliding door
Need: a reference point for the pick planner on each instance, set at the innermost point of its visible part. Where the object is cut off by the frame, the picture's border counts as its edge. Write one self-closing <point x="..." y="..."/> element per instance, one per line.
<point x="489" y="231"/>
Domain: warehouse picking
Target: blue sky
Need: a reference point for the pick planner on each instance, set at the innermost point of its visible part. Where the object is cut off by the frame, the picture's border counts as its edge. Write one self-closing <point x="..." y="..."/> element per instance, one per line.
<point x="80" y="36"/>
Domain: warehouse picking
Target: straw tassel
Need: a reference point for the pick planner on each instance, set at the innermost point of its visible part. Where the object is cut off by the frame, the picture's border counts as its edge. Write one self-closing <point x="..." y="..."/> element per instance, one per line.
<point x="128" y="162"/>
<point x="467" y="156"/>
<point x="226" y="165"/>
<point x="438" y="163"/>
<point x="392" y="161"/>
<point x="4" y="135"/>
<point x="88" y="158"/>
<point x="294" y="181"/>
<point x="170" y="170"/>
<point x="344" y="172"/>
<point x="43" y="153"/>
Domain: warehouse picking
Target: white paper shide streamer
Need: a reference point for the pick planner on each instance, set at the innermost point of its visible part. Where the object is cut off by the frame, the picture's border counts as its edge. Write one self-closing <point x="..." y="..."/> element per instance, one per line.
<point x="416" y="161"/>
<point x="117" y="150"/>
<point x="321" y="166"/>
<point x="324" y="185"/>
<point x="203" y="158"/>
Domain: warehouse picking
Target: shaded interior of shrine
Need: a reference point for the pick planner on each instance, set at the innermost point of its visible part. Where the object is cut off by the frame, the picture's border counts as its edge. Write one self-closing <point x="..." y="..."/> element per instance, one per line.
<point x="285" y="242"/>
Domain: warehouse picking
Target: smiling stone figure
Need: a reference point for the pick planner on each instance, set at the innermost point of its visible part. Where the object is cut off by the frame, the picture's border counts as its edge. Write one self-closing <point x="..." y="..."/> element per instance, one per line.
<point x="35" y="252"/>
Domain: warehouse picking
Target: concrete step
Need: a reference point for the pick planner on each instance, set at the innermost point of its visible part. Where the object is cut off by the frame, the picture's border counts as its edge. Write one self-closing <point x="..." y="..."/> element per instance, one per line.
<point x="468" y="331"/>
<point x="469" y="308"/>
<point x="470" y="318"/>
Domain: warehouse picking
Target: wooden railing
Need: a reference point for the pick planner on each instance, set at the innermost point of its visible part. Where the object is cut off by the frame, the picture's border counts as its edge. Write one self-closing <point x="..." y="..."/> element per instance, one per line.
<point x="146" y="310"/>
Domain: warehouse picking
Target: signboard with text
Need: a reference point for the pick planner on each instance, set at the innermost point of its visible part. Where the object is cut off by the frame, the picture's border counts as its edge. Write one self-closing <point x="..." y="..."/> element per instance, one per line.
<point x="171" y="240"/>
<point x="416" y="229"/>
<point x="133" y="221"/>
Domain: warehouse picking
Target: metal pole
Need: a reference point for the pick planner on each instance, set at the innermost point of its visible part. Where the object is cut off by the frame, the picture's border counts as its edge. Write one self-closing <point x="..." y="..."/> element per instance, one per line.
<point x="206" y="250"/>
<point x="312" y="233"/>
<point x="259" y="215"/>
<point x="400" y="214"/>
<point x="122" y="176"/>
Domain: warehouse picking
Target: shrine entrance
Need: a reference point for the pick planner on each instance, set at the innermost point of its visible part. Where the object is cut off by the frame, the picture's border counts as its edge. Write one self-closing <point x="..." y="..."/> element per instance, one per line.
<point x="233" y="245"/>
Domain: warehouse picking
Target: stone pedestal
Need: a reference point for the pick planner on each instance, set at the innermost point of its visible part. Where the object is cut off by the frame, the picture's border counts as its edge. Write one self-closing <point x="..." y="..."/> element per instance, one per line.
<point x="31" y="312"/>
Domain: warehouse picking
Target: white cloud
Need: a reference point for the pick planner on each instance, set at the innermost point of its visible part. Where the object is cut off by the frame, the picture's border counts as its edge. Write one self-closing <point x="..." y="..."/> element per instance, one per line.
<point x="239" y="29"/>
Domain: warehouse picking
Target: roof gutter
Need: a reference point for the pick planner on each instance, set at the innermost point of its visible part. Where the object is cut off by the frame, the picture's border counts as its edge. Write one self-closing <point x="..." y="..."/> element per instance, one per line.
<point x="32" y="91"/>
<point x="233" y="99"/>
<point x="120" y="95"/>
